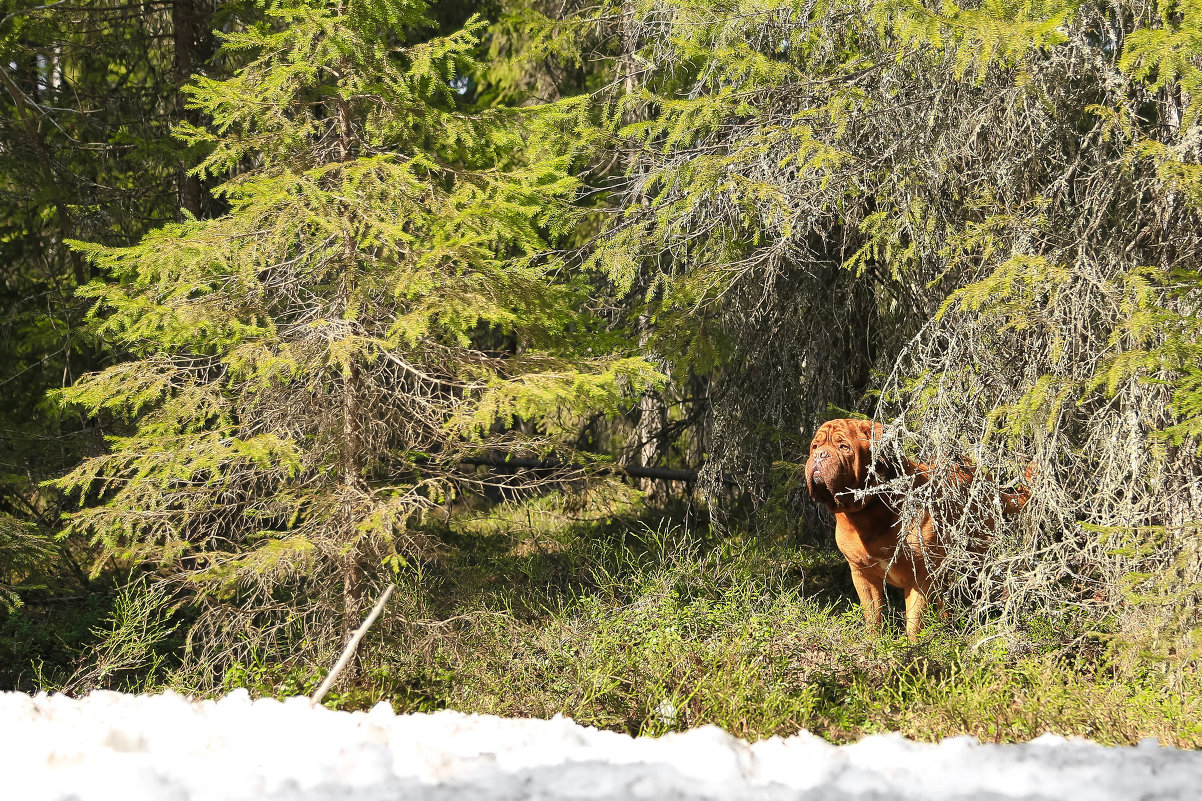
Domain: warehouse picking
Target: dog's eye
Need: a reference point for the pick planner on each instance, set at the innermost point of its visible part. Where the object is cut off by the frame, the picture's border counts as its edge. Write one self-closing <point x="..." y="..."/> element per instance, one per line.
<point x="845" y="447"/>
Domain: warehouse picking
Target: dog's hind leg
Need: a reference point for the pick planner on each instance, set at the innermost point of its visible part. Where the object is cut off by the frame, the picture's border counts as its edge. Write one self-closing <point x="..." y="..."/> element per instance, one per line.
<point x="916" y="605"/>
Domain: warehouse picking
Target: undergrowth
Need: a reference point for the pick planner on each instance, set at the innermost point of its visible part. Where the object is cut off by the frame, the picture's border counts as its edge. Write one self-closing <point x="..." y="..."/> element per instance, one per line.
<point x="650" y="626"/>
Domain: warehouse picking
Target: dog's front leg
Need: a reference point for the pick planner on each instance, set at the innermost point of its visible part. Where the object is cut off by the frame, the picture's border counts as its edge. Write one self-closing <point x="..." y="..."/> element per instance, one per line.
<point x="872" y="597"/>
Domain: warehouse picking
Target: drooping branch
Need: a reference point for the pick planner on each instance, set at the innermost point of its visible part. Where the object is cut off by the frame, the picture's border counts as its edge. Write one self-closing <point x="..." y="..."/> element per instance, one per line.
<point x="685" y="475"/>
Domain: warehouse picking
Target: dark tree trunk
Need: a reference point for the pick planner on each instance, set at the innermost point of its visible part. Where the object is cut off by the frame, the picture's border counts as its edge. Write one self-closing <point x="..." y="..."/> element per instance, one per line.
<point x="651" y="443"/>
<point x="193" y="49"/>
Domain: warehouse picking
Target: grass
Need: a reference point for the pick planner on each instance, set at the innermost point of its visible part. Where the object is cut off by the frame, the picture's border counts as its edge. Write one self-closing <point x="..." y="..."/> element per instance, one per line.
<point x="653" y="625"/>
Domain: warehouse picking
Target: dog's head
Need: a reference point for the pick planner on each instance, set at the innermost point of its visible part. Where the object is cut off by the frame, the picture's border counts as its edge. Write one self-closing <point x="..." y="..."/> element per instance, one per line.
<point x="839" y="461"/>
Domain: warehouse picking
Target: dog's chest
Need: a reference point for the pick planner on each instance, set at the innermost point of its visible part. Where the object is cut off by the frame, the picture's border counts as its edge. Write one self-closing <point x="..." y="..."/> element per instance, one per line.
<point x="864" y="553"/>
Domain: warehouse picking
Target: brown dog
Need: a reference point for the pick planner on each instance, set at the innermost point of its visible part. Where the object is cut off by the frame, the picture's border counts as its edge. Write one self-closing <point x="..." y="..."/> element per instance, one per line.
<point x="867" y="529"/>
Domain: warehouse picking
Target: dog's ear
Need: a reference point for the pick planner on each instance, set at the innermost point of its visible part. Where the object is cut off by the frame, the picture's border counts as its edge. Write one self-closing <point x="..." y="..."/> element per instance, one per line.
<point x="887" y="463"/>
<point x="869" y="431"/>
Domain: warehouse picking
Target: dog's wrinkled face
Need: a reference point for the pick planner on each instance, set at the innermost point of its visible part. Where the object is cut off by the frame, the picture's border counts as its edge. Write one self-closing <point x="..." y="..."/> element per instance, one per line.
<point x="840" y="455"/>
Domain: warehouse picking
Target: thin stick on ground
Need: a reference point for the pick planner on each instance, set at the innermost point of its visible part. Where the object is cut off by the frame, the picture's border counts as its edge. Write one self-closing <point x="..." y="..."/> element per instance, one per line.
<point x="350" y="647"/>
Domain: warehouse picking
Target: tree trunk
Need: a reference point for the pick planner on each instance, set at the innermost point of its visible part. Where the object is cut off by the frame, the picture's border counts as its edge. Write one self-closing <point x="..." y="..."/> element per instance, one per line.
<point x="193" y="48"/>
<point x="650" y="442"/>
<point x="353" y="488"/>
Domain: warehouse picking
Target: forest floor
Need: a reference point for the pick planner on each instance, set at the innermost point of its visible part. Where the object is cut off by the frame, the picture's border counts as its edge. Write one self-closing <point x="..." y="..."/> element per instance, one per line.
<point x="645" y="626"/>
<point x="649" y="624"/>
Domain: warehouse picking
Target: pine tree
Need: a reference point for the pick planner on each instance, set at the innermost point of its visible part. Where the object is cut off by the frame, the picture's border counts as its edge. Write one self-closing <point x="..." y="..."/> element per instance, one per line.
<point x="312" y="367"/>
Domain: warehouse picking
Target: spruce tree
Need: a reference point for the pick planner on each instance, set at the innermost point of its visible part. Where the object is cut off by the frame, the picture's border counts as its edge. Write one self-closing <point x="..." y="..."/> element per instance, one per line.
<point x="85" y="153"/>
<point x="983" y="214"/>
<point x="312" y="368"/>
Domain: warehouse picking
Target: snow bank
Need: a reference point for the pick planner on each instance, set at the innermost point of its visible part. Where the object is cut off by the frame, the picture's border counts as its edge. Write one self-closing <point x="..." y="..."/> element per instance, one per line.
<point x="168" y="748"/>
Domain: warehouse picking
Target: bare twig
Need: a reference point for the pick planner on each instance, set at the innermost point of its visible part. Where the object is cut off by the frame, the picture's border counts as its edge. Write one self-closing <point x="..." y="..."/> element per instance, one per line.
<point x="350" y="647"/>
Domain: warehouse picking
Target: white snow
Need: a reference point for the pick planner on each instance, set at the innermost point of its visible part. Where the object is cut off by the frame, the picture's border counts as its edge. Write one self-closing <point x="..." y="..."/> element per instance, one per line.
<point x="170" y="748"/>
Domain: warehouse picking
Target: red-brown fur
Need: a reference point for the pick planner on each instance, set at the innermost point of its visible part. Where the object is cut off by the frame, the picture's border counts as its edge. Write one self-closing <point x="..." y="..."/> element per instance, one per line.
<point x="867" y="530"/>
